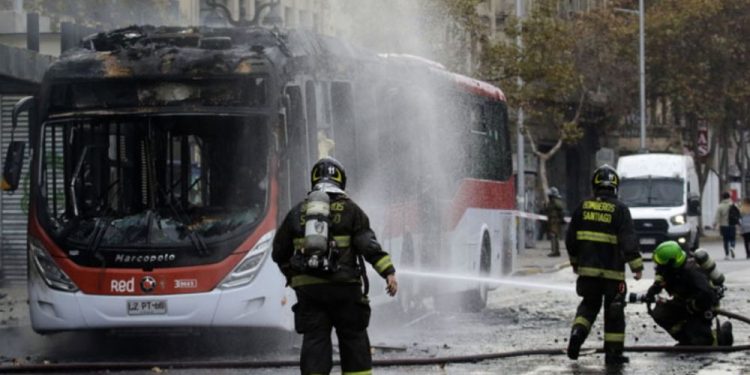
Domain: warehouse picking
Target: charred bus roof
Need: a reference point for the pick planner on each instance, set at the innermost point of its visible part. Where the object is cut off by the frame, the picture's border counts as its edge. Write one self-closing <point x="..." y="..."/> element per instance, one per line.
<point x="201" y="52"/>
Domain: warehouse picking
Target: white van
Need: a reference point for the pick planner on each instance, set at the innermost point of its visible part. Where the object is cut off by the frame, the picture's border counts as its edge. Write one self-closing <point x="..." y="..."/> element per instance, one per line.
<point x="663" y="195"/>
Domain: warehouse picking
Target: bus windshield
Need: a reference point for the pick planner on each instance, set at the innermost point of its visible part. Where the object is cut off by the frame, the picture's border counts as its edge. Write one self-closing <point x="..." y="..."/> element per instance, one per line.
<point x="134" y="182"/>
<point x="652" y="192"/>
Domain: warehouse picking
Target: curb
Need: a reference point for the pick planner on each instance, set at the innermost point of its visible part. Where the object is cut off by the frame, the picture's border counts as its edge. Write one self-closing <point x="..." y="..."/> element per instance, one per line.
<point x="529" y="270"/>
<point x="534" y="270"/>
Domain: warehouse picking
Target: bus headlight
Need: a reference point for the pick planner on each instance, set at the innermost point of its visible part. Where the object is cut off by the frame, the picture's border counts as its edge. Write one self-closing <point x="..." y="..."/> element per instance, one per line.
<point x="49" y="271"/>
<point x="678" y="219"/>
<point x="245" y="271"/>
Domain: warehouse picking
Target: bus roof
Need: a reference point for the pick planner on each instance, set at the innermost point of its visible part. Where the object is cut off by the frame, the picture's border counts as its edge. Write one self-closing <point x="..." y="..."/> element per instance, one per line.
<point x="148" y="51"/>
<point x="198" y="52"/>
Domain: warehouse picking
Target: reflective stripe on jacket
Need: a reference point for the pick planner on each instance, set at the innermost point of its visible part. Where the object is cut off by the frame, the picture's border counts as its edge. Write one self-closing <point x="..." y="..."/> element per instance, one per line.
<point x="601" y="239"/>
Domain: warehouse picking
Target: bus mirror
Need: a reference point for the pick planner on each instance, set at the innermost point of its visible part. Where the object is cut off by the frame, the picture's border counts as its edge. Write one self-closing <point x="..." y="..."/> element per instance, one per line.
<point x="13" y="165"/>
<point x="23" y="105"/>
<point x="14" y="156"/>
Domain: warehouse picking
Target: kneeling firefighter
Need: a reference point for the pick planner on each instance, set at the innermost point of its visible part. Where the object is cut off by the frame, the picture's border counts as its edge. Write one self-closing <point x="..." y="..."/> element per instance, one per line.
<point x="320" y="247"/>
<point x="696" y="287"/>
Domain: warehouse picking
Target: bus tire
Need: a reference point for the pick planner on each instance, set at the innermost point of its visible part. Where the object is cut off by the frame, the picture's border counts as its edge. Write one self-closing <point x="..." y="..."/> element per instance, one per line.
<point x="476" y="300"/>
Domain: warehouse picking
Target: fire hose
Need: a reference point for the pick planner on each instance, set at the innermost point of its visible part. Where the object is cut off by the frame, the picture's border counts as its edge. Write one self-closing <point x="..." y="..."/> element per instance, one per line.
<point x="390" y="362"/>
<point x="387" y="362"/>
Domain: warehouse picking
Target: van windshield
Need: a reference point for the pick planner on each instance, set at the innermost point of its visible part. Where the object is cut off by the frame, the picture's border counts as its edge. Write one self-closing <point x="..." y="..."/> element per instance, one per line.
<point x="652" y="192"/>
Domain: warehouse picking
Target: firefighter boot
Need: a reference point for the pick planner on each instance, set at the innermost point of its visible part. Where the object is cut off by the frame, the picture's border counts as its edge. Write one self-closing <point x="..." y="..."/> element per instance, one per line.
<point x="725" y="337"/>
<point x="613" y="354"/>
<point x="577" y="337"/>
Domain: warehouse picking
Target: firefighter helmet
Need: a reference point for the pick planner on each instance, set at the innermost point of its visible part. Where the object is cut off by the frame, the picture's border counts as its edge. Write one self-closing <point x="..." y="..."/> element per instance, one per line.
<point x="605" y="177"/>
<point x="553" y="192"/>
<point x="328" y="170"/>
<point x="669" y="253"/>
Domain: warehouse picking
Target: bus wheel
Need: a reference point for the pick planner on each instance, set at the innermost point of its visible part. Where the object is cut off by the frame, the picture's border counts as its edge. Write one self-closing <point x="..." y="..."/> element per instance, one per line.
<point x="476" y="300"/>
<point x="407" y="296"/>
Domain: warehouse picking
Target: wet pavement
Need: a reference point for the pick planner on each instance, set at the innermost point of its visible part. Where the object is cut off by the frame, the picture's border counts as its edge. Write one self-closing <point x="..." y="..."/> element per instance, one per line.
<point x="515" y="319"/>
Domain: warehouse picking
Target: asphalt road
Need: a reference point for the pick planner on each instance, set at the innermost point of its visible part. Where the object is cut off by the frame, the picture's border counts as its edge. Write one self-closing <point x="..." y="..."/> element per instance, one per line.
<point x="515" y="319"/>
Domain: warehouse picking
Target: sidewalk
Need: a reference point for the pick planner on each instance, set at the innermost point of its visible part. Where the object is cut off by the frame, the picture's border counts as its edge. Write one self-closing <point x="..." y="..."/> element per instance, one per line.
<point x="535" y="260"/>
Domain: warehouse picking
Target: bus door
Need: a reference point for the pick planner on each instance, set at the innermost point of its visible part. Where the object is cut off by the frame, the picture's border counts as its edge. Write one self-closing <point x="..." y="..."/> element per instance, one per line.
<point x="297" y="163"/>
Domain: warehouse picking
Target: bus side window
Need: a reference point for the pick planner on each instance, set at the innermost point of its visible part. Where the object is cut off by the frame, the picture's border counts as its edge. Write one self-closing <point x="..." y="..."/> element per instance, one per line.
<point x="504" y="166"/>
<point x="297" y="146"/>
<point x="489" y="148"/>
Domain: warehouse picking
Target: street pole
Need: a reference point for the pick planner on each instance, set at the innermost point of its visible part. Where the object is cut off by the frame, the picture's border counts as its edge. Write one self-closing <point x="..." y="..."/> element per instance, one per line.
<point x="642" y="74"/>
<point x="641" y="67"/>
<point x="520" y="167"/>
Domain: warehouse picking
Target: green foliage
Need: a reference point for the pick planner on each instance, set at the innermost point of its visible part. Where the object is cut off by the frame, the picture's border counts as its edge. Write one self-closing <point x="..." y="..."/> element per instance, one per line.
<point x="551" y="93"/>
<point x="697" y="64"/>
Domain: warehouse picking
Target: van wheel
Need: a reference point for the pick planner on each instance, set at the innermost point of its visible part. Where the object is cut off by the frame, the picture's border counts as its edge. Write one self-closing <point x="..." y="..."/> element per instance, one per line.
<point x="476" y="300"/>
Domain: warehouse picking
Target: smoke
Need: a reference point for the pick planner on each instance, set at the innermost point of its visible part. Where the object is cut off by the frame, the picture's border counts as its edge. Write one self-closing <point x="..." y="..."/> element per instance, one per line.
<point x="416" y="27"/>
<point x="424" y="145"/>
<point x="385" y="26"/>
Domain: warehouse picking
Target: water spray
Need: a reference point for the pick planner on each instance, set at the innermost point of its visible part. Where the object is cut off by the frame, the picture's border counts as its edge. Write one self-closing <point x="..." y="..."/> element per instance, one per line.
<point x="487" y="280"/>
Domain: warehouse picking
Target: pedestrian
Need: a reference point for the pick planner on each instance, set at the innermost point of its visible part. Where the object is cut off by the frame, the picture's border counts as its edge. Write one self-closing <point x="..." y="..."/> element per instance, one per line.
<point x="726" y="219"/>
<point x="601" y="238"/>
<point x="321" y="247"/>
<point x="554" y="212"/>
<point x="687" y="316"/>
<point x="745" y="224"/>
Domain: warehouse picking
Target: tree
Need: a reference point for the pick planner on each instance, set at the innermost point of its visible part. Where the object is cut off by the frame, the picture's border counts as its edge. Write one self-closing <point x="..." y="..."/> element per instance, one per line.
<point x="699" y="63"/>
<point x="553" y="94"/>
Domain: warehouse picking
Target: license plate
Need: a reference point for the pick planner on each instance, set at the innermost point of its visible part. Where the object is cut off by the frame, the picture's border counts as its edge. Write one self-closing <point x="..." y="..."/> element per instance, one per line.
<point x="648" y="241"/>
<point x="147" y="307"/>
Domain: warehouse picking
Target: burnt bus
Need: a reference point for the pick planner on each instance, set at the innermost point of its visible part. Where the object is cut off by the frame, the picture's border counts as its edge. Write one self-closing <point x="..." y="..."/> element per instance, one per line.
<point x="162" y="159"/>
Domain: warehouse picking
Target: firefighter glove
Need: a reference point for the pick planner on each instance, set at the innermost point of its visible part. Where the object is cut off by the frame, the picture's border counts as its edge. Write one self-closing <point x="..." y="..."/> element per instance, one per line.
<point x="653" y="291"/>
<point x="719" y="290"/>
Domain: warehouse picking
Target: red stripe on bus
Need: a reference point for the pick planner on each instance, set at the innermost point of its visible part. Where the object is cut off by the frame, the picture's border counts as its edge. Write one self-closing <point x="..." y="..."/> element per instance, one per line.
<point x="485" y="194"/>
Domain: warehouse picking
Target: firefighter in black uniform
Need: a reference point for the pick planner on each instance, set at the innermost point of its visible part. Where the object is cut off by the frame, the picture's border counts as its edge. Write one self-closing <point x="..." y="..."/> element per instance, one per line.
<point x="320" y="248"/>
<point x="688" y="315"/>
<point x="600" y="240"/>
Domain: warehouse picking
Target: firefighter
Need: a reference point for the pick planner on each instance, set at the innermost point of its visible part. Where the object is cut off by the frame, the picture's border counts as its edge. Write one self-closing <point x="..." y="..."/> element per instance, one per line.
<point x="600" y="240"/>
<point x="321" y="247"/>
<point x="554" y="212"/>
<point x="688" y="315"/>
